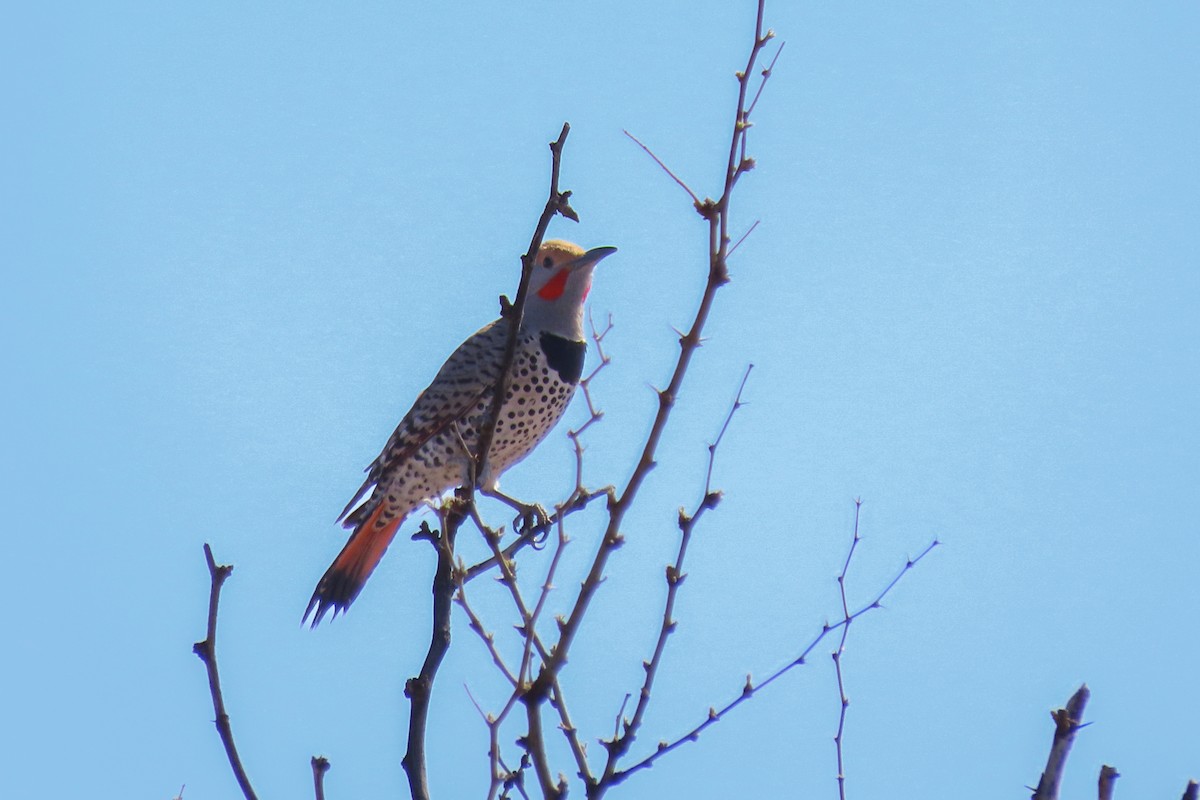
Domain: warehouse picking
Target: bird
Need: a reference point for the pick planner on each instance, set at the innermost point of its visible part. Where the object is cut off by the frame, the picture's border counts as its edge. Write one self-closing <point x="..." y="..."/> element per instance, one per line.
<point x="433" y="449"/>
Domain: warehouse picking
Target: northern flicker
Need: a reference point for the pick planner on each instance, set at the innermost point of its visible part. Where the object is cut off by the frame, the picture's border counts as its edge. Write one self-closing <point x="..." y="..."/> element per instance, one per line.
<point x="434" y="448"/>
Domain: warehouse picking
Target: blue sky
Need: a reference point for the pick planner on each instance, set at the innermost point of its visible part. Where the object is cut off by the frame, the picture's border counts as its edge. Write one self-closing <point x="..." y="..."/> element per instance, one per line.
<point x="237" y="243"/>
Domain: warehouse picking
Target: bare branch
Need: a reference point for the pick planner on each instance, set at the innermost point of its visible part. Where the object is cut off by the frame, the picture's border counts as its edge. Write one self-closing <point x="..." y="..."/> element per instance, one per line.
<point x="515" y="779"/>
<point x="743" y="238"/>
<point x="622" y="740"/>
<point x="476" y="625"/>
<point x="695" y="200"/>
<point x="717" y="215"/>
<point x="594" y="414"/>
<point x="419" y="688"/>
<point x="750" y="689"/>
<point x="533" y="642"/>
<point x="1067" y="721"/>
<point x="837" y="655"/>
<point x="535" y="745"/>
<point x="1108" y="780"/>
<point x="556" y="203"/>
<point x="530" y="626"/>
<point x="207" y="650"/>
<point x="766" y="75"/>
<point x="320" y="765"/>
<point x="578" y="748"/>
<point x="534" y="533"/>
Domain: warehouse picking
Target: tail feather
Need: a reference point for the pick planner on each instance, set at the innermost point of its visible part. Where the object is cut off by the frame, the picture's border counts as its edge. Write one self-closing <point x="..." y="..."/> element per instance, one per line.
<point x="346" y="576"/>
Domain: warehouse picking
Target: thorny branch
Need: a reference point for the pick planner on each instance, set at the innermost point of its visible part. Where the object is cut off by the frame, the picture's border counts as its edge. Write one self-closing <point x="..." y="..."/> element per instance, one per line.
<point x="207" y="650"/>
<point x="320" y="765"/>
<point x="476" y="625"/>
<point x="750" y="688"/>
<point x="580" y="496"/>
<point x="1067" y="722"/>
<point x="418" y="689"/>
<point x="622" y="740"/>
<point x="594" y="414"/>
<point x="716" y="213"/>
<point x="533" y="744"/>
<point x="1108" y="781"/>
<point x="837" y="655"/>
<point x="557" y="203"/>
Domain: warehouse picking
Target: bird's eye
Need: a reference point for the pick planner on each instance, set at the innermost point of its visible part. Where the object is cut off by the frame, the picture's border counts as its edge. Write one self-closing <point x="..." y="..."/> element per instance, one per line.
<point x="548" y="262"/>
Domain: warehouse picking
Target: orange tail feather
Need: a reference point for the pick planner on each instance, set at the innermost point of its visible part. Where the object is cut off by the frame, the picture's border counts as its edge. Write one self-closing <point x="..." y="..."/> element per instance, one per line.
<point x="348" y="573"/>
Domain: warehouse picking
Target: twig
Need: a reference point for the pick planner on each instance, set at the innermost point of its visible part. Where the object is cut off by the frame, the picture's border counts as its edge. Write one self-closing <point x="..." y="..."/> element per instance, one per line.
<point x="623" y="740"/>
<point x="532" y="535"/>
<point x="688" y="344"/>
<point x="837" y="655"/>
<point x="529" y="628"/>
<point x="743" y="237"/>
<point x="1067" y="721"/>
<point x="766" y="74"/>
<point x="535" y="745"/>
<point x="498" y="772"/>
<point x="578" y="748"/>
<point x="533" y="642"/>
<point x="594" y="414"/>
<point x="1108" y="780"/>
<point x="716" y="213"/>
<point x="320" y="765"/>
<point x="207" y="650"/>
<point x="476" y="624"/>
<point x="750" y="688"/>
<point x="516" y="778"/>
<point x="419" y="688"/>
<point x="557" y="203"/>
<point x="665" y="168"/>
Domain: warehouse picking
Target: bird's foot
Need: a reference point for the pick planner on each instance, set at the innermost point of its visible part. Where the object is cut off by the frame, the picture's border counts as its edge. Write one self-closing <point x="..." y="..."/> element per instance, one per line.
<point x="532" y="518"/>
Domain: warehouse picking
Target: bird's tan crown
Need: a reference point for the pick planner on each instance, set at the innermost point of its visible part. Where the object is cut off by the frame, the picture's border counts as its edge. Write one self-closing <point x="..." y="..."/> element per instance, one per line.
<point x="559" y="250"/>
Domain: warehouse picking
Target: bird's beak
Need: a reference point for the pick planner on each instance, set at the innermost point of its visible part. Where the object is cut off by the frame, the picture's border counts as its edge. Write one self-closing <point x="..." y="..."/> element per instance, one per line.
<point x="591" y="257"/>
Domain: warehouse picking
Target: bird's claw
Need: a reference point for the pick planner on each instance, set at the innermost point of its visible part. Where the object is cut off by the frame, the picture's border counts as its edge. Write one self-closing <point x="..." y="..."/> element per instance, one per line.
<point x="532" y="519"/>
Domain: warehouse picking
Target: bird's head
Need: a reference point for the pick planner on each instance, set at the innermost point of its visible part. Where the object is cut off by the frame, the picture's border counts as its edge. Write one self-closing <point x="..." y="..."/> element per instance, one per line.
<point x="562" y="277"/>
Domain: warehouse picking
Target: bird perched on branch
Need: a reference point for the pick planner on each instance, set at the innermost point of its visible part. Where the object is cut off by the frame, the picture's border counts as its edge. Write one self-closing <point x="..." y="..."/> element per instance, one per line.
<point x="435" y="447"/>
